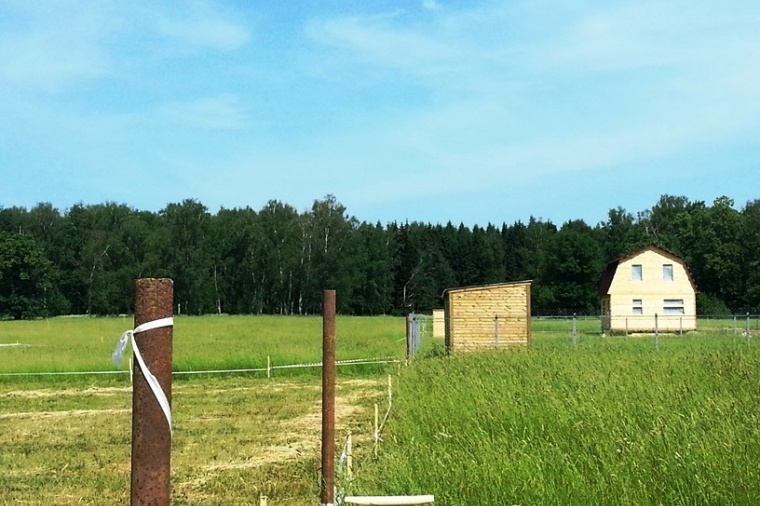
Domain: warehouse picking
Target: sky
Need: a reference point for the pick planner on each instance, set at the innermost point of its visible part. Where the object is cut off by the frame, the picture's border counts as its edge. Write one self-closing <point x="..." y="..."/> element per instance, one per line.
<point x="472" y="111"/>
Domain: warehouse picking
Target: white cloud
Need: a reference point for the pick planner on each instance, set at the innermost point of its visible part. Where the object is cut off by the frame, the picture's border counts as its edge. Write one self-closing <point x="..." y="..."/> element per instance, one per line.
<point x="673" y="76"/>
<point x="53" y="46"/>
<point x="378" y="41"/>
<point x="431" y="5"/>
<point x="222" y="112"/>
<point x="199" y="24"/>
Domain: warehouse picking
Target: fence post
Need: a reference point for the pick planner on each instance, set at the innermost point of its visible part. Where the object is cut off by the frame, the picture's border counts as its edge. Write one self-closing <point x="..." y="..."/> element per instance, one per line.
<point x="269" y="366"/>
<point x="327" y="492"/>
<point x="417" y="334"/>
<point x="680" y="325"/>
<point x="748" y="333"/>
<point x="734" y="324"/>
<point x="409" y="336"/>
<point x="496" y="331"/>
<point x="349" y="457"/>
<point x="574" y="329"/>
<point x="656" y="332"/>
<point x="626" y="326"/>
<point x="151" y="434"/>
<point x="376" y="435"/>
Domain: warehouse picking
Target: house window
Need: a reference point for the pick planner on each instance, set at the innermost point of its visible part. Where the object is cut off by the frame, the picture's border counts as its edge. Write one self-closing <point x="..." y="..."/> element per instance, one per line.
<point x="636" y="274"/>
<point x="667" y="272"/>
<point x="672" y="306"/>
<point x="638" y="306"/>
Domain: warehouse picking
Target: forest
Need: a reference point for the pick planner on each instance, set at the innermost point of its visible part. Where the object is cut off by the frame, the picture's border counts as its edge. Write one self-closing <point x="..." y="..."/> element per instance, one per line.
<point x="277" y="260"/>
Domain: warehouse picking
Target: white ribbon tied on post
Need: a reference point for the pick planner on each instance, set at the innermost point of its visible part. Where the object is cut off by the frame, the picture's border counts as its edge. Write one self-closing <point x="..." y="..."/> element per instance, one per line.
<point x="121" y="347"/>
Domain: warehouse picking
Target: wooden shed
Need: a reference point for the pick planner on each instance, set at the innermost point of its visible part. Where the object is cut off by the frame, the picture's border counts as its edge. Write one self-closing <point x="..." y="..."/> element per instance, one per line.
<point x="647" y="284"/>
<point x="488" y="316"/>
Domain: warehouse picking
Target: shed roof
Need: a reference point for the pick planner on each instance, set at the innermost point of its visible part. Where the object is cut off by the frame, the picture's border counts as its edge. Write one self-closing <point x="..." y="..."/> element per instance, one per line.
<point x="484" y="287"/>
<point x="609" y="273"/>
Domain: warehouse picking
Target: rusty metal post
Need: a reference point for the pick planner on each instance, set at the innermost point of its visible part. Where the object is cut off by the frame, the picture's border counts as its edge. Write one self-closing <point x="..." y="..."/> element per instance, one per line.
<point x="656" y="332"/>
<point x="151" y="435"/>
<point x="327" y="495"/>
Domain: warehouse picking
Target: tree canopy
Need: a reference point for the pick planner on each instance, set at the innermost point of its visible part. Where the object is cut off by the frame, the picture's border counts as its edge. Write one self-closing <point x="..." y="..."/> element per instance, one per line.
<point x="277" y="260"/>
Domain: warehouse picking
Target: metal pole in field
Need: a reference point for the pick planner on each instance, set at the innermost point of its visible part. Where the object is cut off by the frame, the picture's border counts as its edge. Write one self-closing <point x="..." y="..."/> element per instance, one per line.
<point x="734" y="324"/>
<point x="574" y="329"/>
<point x="748" y="333"/>
<point x="656" y="332"/>
<point x="408" y="336"/>
<point x="349" y="457"/>
<point x="377" y="428"/>
<point x="151" y="434"/>
<point x="496" y="331"/>
<point x="626" y="327"/>
<point x="327" y="493"/>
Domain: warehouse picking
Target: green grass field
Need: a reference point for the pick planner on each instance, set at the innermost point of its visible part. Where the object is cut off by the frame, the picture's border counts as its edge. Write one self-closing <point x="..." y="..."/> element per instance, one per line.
<point x="199" y="343"/>
<point x="609" y="420"/>
<point x="612" y="421"/>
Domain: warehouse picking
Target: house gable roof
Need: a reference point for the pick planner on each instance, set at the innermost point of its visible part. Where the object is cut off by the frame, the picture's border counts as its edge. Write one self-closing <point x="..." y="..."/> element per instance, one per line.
<point x="609" y="273"/>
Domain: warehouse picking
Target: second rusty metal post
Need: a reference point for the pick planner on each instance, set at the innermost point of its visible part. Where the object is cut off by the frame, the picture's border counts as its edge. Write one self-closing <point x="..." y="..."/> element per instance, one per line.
<point x="327" y="495"/>
<point x="151" y="435"/>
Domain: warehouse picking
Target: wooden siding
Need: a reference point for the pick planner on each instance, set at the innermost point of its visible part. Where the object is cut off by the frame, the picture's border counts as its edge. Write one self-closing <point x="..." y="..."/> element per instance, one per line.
<point x="439" y="327"/>
<point x="489" y="316"/>
<point x="652" y="290"/>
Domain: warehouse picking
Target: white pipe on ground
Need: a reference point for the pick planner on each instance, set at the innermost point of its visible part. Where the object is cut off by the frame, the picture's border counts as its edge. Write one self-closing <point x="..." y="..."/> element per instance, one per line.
<point x="399" y="500"/>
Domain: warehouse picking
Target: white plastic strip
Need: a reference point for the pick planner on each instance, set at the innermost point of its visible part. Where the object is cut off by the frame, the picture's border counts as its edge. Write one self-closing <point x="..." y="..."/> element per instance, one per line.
<point x="118" y="353"/>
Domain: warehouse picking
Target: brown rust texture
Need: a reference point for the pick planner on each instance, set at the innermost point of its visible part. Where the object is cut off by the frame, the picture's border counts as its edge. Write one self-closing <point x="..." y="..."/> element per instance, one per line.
<point x="328" y="397"/>
<point x="151" y="436"/>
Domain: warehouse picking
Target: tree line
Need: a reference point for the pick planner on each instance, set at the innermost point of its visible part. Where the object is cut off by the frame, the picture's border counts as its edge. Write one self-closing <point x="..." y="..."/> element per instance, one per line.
<point x="277" y="260"/>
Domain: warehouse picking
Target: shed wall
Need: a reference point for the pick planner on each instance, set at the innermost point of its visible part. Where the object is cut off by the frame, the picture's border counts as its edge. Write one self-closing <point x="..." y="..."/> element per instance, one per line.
<point x="488" y="317"/>
<point x="439" y="326"/>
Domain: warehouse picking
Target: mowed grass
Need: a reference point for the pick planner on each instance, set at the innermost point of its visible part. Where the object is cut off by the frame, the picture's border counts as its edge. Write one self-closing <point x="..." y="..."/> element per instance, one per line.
<point x="609" y="421"/>
<point x="199" y="343"/>
<point x="235" y="438"/>
<point x="66" y="439"/>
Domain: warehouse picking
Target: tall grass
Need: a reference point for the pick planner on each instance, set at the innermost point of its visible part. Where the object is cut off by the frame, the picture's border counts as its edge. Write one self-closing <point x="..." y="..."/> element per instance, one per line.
<point x="612" y="421"/>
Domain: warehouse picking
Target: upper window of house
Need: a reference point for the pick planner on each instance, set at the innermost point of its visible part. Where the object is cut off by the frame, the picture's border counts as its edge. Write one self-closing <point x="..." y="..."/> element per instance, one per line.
<point x="667" y="272"/>
<point x="636" y="273"/>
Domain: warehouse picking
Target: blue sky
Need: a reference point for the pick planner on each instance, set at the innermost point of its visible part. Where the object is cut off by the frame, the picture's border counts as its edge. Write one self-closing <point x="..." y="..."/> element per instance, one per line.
<point x="426" y="110"/>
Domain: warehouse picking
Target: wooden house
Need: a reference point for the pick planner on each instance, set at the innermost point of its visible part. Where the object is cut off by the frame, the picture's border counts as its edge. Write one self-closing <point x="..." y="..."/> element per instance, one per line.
<point x="487" y="316"/>
<point x="647" y="285"/>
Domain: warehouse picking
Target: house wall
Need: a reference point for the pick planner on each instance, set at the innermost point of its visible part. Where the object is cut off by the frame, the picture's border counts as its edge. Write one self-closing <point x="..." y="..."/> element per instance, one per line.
<point x="471" y="312"/>
<point x="652" y="290"/>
